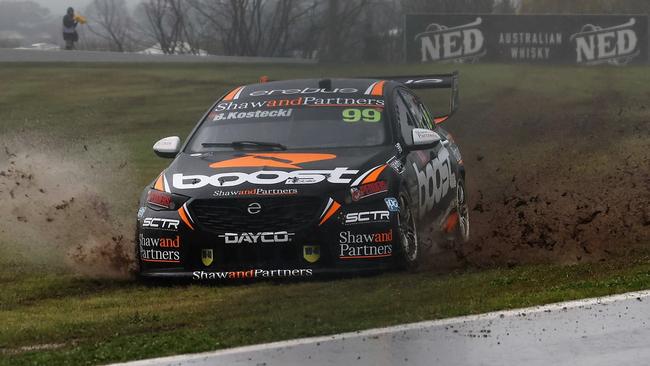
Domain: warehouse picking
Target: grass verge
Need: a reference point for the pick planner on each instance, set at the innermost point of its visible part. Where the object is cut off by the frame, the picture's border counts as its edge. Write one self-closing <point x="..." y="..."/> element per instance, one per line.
<point x="49" y="315"/>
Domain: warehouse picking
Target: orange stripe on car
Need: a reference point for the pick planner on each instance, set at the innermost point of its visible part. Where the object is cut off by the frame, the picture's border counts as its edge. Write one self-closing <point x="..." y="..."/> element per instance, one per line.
<point x="335" y="207"/>
<point x="378" y="89"/>
<point x="160" y="261"/>
<point x="275" y="160"/>
<point x="160" y="185"/>
<point x="183" y="215"/>
<point x="372" y="177"/>
<point x="234" y="94"/>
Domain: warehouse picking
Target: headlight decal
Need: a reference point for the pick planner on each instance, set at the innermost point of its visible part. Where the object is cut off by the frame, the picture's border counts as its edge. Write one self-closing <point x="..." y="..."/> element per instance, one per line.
<point x="161" y="183"/>
<point x="369" y="176"/>
<point x="330" y="210"/>
<point x="185" y="216"/>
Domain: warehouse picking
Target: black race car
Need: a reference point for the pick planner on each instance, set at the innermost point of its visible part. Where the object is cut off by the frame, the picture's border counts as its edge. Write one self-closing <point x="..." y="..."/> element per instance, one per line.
<point x="295" y="178"/>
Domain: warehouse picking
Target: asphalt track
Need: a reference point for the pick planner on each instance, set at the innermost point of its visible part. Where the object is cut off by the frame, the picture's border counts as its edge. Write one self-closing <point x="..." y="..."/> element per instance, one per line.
<point x="603" y="331"/>
<point x="11" y="55"/>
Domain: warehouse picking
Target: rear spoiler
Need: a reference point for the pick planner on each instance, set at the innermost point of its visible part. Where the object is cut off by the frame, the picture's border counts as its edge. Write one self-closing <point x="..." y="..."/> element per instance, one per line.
<point x="435" y="81"/>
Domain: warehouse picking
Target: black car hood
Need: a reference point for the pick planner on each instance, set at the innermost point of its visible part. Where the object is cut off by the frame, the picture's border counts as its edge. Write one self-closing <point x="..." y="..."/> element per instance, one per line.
<point x="309" y="172"/>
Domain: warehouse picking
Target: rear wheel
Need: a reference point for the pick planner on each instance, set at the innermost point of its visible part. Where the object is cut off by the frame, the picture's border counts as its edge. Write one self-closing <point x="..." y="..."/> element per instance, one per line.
<point x="410" y="250"/>
<point x="462" y="231"/>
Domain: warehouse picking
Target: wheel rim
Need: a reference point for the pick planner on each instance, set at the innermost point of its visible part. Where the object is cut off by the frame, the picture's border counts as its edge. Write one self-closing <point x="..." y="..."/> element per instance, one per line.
<point x="408" y="231"/>
<point x="463" y="213"/>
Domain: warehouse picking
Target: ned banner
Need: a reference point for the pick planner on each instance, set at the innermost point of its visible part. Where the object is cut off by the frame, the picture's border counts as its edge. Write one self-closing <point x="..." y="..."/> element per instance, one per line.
<point x="553" y="39"/>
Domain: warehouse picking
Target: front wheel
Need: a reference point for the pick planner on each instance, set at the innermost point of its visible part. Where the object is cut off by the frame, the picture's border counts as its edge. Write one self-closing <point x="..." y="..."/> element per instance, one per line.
<point x="410" y="250"/>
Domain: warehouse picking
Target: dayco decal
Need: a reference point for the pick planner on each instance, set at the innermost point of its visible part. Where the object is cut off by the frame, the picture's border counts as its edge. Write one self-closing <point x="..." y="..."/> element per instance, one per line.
<point x="160" y="249"/>
<point x="299" y="101"/>
<point x="434" y="182"/>
<point x="252" y="273"/>
<point x="163" y="224"/>
<point x="253" y="114"/>
<point x="440" y="43"/>
<point x="255" y="238"/>
<point x="616" y="45"/>
<point x="365" y="217"/>
<point x="365" y="245"/>
<point x="257" y="192"/>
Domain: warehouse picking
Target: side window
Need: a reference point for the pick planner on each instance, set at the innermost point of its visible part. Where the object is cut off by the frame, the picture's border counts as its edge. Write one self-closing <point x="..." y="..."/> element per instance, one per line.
<point x="406" y="123"/>
<point x="418" y="110"/>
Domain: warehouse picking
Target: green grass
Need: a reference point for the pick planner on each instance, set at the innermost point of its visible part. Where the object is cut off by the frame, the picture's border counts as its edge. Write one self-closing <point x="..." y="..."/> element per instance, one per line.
<point x="90" y="321"/>
<point x="104" y="321"/>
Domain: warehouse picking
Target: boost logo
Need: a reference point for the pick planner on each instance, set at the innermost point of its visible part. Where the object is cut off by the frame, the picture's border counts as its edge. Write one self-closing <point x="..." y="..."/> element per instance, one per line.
<point x="434" y="182"/>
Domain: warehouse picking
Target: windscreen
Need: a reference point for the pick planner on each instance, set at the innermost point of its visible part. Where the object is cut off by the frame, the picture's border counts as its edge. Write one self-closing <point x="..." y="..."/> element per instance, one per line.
<point x="297" y="122"/>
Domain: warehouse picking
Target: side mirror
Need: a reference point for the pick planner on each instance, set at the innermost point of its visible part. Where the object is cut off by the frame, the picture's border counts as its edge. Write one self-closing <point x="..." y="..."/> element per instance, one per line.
<point x="168" y="147"/>
<point x="424" y="139"/>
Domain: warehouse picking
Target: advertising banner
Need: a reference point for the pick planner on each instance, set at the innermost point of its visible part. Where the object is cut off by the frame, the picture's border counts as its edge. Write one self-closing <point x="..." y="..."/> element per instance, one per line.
<point x="553" y="39"/>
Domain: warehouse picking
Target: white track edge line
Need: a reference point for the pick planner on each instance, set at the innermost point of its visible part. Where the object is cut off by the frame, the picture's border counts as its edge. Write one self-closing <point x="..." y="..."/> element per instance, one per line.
<point x="573" y="304"/>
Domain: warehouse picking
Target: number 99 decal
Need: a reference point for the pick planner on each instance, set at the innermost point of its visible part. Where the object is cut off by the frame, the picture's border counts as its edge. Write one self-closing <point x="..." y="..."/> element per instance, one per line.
<point x="356" y="115"/>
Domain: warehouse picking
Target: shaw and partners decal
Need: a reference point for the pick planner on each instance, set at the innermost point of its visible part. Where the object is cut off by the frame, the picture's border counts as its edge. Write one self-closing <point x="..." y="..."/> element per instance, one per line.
<point x="252" y="273"/>
<point x="434" y="181"/>
<point x="160" y="249"/>
<point x="360" y="246"/>
<point x="616" y="45"/>
<point x="256" y="192"/>
<point x="442" y="43"/>
<point x="295" y="102"/>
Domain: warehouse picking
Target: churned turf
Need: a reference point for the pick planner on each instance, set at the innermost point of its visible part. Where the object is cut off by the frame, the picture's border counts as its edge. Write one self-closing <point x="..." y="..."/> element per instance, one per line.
<point x="528" y="208"/>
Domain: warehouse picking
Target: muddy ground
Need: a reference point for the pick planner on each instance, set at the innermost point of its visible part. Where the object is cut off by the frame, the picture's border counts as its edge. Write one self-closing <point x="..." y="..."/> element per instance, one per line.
<point x="554" y="182"/>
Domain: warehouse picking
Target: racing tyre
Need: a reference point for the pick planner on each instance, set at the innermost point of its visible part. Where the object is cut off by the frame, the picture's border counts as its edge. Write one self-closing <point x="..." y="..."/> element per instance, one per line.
<point x="410" y="246"/>
<point x="462" y="230"/>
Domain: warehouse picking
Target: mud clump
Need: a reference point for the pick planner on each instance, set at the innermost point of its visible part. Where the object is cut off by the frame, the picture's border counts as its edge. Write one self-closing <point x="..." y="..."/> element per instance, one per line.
<point x="57" y="210"/>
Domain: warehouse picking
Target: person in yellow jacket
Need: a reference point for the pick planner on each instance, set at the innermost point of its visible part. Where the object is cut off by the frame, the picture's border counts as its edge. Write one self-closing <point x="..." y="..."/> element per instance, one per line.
<point x="70" y="22"/>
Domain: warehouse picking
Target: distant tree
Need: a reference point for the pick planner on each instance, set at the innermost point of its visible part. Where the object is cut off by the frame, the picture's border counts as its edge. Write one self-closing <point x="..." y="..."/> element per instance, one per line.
<point x="17" y="15"/>
<point x="26" y="22"/>
<point x="505" y="7"/>
<point x="448" y="6"/>
<point x="111" y="21"/>
<point x="344" y="30"/>
<point x="255" y="27"/>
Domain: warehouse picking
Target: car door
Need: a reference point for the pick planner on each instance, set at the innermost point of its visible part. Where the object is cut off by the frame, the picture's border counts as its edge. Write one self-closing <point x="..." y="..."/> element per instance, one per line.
<point x="429" y="171"/>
